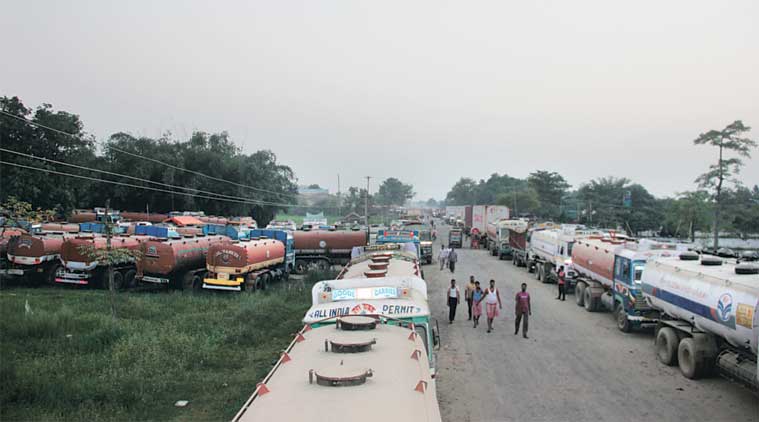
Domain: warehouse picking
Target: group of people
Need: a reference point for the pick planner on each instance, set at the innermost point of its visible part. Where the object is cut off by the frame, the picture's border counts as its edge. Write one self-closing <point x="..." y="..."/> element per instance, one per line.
<point x="474" y="295"/>
<point x="447" y="258"/>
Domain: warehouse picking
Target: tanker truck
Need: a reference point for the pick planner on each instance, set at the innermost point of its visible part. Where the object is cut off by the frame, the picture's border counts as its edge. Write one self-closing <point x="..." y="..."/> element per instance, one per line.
<point x="6" y="233"/>
<point x="76" y="268"/>
<point x="35" y="257"/>
<point x="710" y="315"/>
<point x="498" y="236"/>
<point x="551" y="248"/>
<point x="246" y="264"/>
<point x="608" y="273"/>
<point x="176" y="263"/>
<point x="324" y="249"/>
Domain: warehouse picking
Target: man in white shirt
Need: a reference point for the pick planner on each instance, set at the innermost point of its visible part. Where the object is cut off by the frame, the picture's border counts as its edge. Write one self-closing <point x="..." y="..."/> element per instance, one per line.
<point x="454" y="297"/>
<point x="442" y="257"/>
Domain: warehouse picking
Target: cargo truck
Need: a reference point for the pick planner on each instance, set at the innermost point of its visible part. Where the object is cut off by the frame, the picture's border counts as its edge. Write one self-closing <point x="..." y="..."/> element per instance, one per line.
<point x="323" y="248"/>
<point x="608" y="273"/>
<point x="518" y="246"/>
<point x="709" y="315"/>
<point x="425" y="240"/>
<point x="498" y="236"/>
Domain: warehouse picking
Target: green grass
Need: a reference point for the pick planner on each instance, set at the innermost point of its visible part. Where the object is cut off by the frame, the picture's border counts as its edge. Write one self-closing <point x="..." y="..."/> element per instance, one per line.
<point x="69" y="360"/>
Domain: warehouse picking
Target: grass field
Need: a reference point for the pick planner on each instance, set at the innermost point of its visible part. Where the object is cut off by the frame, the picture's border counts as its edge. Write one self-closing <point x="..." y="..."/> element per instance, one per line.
<point x="64" y="358"/>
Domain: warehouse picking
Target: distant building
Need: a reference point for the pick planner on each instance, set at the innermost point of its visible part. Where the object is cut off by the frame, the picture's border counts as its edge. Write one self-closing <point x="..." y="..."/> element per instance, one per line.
<point x="311" y="195"/>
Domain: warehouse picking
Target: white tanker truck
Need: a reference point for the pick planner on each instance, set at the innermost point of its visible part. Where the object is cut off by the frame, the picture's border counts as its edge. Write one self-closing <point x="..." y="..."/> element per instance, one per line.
<point x="551" y="248"/>
<point x="709" y="315"/>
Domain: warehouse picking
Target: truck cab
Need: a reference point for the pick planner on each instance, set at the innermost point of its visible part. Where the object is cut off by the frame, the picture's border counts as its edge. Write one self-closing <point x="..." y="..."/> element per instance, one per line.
<point x="401" y="236"/>
<point x="455" y="238"/>
<point x="394" y="300"/>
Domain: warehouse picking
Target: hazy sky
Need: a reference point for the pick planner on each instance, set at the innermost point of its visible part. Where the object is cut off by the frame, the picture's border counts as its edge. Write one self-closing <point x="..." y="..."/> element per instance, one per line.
<point x="423" y="91"/>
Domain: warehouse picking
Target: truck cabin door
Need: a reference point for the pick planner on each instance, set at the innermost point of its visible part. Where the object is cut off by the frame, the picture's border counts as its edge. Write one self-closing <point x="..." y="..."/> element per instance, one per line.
<point x="622" y="272"/>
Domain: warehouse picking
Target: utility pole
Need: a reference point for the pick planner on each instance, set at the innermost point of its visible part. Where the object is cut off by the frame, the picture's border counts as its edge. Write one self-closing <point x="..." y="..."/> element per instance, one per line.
<point x="339" y="208"/>
<point x="108" y="256"/>
<point x="366" y="204"/>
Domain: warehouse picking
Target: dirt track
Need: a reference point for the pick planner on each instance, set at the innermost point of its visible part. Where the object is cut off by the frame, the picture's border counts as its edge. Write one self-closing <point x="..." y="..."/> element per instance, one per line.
<point x="575" y="366"/>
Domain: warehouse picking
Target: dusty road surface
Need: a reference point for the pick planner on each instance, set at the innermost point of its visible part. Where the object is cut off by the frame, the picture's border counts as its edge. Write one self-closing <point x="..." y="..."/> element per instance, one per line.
<point x="576" y="366"/>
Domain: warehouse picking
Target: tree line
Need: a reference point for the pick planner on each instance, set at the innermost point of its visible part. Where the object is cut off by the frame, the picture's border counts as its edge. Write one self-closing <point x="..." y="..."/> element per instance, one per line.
<point x="719" y="202"/>
<point x="261" y="185"/>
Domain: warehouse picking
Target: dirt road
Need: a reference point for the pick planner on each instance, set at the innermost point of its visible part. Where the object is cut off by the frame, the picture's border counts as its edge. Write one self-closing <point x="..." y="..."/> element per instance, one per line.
<point x="576" y="366"/>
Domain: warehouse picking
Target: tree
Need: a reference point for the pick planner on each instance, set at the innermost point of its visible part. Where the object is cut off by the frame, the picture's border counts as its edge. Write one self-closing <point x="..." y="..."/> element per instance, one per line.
<point x="432" y="203"/>
<point x="521" y="202"/>
<point x="394" y="192"/>
<point x="687" y="213"/>
<point x="462" y="193"/>
<point x="550" y="188"/>
<point x="314" y="186"/>
<point x="729" y="139"/>
<point x="602" y="204"/>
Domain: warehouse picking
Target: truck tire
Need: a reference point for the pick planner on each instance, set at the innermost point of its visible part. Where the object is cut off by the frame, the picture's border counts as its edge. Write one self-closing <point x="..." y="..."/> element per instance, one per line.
<point x="323" y="265"/>
<point x="130" y="279"/>
<point x="196" y="282"/>
<point x="623" y="323"/>
<point x="666" y="346"/>
<point x="689" y="359"/>
<point x="580" y="294"/>
<point x="537" y="272"/>
<point x="118" y="280"/>
<point x="589" y="302"/>
<point x="51" y="273"/>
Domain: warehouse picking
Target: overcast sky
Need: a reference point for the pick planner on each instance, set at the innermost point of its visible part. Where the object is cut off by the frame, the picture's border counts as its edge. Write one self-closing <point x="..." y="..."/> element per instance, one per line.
<point x="423" y="91"/>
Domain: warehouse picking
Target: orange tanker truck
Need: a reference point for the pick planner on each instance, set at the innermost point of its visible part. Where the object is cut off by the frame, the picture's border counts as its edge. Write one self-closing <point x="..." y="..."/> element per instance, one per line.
<point x="264" y="256"/>
<point x="324" y="248"/>
<point x="176" y="263"/>
<point x="35" y="256"/>
<point x="80" y="269"/>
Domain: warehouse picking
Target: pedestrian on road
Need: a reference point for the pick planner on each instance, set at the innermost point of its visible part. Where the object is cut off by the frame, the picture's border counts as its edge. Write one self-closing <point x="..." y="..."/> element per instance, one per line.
<point x="454" y="295"/>
<point x="523" y="310"/>
<point x="468" y="295"/>
<point x="477" y="296"/>
<point x="442" y="257"/>
<point x="453" y="257"/>
<point x="492" y="303"/>
<point x="562" y="284"/>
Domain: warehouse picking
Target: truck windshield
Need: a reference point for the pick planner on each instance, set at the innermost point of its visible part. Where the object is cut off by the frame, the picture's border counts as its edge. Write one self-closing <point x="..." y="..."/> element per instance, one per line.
<point x="569" y="248"/>
<point x="425" y="236"/>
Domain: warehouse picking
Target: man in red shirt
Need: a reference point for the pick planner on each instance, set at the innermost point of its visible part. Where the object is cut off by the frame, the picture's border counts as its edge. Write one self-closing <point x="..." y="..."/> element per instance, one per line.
<point x="562" y="284"/>
<point x="522" y="310"/>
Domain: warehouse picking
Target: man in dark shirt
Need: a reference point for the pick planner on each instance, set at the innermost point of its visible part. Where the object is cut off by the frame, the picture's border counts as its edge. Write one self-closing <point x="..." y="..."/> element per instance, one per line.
<point x="523" y="310"/>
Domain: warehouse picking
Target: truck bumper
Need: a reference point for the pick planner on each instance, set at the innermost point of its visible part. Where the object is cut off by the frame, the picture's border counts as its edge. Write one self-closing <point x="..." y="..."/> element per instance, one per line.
<point x="155" y="280"/>
<point x="221" y="284"/>
<point x="66" y="277"/>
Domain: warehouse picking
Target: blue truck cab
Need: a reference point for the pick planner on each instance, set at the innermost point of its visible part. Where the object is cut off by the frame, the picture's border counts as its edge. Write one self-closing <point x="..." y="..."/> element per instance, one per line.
<point x="400" y="236"/>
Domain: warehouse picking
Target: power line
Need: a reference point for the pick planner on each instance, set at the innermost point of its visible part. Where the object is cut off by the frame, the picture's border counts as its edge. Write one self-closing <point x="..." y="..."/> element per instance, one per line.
<point x="23" y="119"/>
<point x="113" y="182"/>
<point x="127" y="176"/>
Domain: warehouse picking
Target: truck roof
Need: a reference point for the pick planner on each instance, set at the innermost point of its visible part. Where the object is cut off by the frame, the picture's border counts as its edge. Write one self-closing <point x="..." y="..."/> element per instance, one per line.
<point x="393" y="392"/>
<point x="724" y="272"/>
<point x="328" y="286"/>
<point x="398" y="265"/>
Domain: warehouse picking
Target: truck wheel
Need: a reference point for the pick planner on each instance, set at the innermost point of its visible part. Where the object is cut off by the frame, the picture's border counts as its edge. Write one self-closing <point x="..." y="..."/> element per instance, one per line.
<point x="544" y="274"/>
<point x="587" y="298"/>
<point x="666" y="346"/>
<point x="301" y="266"/>
<point x="118" y="280"/>
<point x="537" y="272"/>
<point x="689" y="359"/>
<point x="51" y="273"/>
<point x="130" y="279"/>
<point x="197" y="283"/>
<point x="322" y="265"/>
<point x="623" y="323"/>
<point x="580" y="294"/>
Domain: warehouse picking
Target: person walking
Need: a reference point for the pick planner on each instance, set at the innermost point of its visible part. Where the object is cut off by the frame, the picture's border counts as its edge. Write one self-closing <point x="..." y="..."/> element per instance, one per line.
<point x="453" y="257"/>
<point x="454" y="295"/>
<point x="492" y="303"/>
<point x="477" y="296"/>
<point x="468" y="296"/>
<point x="523" y="310"/>
<point x="442" y="257"/>
<point x="562" y="284"/>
